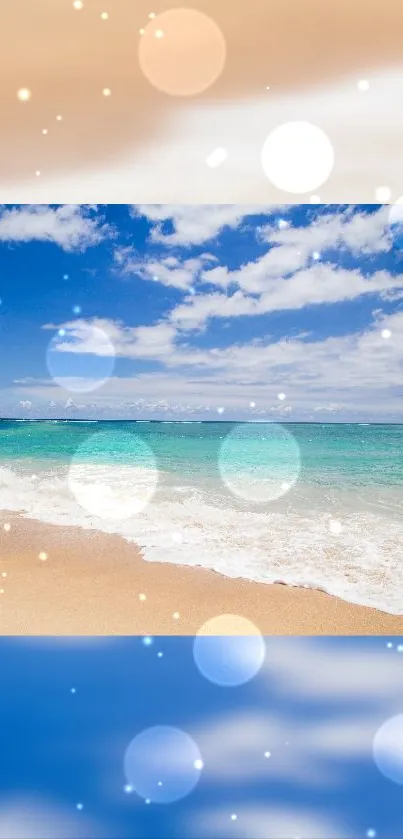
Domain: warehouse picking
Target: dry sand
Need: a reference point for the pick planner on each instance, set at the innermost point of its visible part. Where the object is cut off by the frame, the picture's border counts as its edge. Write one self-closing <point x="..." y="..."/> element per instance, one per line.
<point x="90" y="583"/>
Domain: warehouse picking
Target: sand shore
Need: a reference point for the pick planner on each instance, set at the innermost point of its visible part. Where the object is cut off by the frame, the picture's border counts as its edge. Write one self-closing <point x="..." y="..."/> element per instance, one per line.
<point x="89" y="583"/>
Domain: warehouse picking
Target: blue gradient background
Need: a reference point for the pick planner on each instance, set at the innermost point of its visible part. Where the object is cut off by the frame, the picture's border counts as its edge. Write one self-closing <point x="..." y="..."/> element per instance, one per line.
<point x="59" y="748"/>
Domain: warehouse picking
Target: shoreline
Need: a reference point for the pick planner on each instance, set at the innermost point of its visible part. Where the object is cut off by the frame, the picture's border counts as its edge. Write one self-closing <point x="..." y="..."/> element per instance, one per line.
<point x="89" y="583"/>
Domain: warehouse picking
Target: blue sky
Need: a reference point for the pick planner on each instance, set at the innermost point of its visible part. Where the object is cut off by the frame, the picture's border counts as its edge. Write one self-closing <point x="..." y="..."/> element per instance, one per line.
<point x="316" y="706"/>
<point x="229" y="311"/>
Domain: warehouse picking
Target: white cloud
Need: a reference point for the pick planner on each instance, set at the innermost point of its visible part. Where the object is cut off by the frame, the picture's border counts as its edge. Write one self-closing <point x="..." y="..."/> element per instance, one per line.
<point x="305" y="749"/>
<point x="358" y="232"/>
<point x="358" y="372"/>
<point x="264" y="822"/>
<point x="31" y="818"/>
<point x="317" y="285"/>
<point x="72" y="227"/>
<point x="194" y="224"/>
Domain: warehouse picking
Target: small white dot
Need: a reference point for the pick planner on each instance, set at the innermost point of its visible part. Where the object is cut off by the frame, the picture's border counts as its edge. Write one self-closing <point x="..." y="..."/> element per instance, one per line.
<point x="281" y="396"/>
<point x="78" y="4"/>
<point x="44" y="130"/>
<point x="386" y="333"/>
<point x="363" y="85"/>
<point x="400" y="648"/>
<point x="128" y="788"/>
<point x="371" y="833"/>
<point x="267" y="754"/>
<point x="267" y="87"/>
<point x="106" y="91"/>
<point x="43" y="555"/>
<point x="176" y="616"/>
<point x="198" y="764"/>
<point x="59" y="117"/>
<point x="104" y="16"/>
<point x="7" y="527"/>
<point x="160" y="655"/>
<point x="252" y="404"/>
<point x="220" y="410"/>
<point x="72" y="690"/>
<point x="4" y="573"/>
<point x="335" y="526"/>
<point x="151" y="15"/>
<point x="24" y="94"/>
<point x="234" y="817"/>
<point x="383" y="194"/>
<point x="316" y="255"/>
<point x="148" y="800"/>
<point x="142" y="597"/>
<point x="160" y="783"/>
<point x="142" y="31"/>
<point x="80" y="806"/>
<point x="1" y="590"/>
<point x="389" y="645"/>
<point x="37" y="173"/>
<point x="159" y="33"/>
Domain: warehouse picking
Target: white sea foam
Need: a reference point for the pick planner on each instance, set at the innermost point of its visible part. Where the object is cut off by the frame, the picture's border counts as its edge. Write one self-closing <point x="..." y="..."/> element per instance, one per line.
<point x="361" y="563"/>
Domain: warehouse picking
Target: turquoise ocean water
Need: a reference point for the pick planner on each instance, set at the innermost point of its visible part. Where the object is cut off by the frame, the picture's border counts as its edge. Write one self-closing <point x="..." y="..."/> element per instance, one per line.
<point x="318" y="505"/>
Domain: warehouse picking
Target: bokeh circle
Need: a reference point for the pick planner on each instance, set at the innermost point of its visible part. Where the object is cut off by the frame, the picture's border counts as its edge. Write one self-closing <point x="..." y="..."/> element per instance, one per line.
<point x="229" y="650"/>
<point x="388" y="749"/>
<point x="259" y="462"/>
<point x="182" y="52"/>
<point x="163" y="764"/>
<point x="113" y="475"/>
<point x="80" y="372"/>
<point x="297" y="157"/>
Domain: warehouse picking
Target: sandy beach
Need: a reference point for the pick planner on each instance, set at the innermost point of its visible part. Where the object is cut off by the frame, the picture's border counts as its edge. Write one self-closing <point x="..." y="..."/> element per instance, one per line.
<point x="67" y="581"/>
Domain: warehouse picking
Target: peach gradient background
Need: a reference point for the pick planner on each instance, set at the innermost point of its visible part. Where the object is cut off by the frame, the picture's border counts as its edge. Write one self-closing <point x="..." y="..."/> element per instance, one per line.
<point x="303" y="49"/>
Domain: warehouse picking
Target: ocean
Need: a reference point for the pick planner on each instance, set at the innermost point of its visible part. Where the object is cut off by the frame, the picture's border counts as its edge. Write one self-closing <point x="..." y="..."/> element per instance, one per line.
<point x="306" y="504"/>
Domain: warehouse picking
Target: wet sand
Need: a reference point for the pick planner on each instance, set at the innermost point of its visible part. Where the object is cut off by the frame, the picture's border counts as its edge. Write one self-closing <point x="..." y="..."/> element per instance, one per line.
<point x="90" y="584"/>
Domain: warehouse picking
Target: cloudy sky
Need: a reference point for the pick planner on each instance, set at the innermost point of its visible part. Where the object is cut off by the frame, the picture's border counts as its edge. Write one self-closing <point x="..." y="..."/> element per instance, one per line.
<point x="201" y="312"/>
<point x="116" y="113"/>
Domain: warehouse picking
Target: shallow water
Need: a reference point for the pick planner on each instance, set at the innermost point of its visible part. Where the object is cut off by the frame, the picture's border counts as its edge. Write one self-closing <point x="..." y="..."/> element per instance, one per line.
<point x="306" y="504"/>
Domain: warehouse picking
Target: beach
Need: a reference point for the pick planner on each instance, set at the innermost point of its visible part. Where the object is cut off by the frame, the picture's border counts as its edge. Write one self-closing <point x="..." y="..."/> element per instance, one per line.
<point x="91" y="583"/>
<point x="286" y="525"/>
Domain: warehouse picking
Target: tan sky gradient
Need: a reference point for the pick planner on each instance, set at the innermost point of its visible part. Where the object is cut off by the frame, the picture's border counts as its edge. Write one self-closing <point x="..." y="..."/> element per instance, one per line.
<point x="66" y="57"/>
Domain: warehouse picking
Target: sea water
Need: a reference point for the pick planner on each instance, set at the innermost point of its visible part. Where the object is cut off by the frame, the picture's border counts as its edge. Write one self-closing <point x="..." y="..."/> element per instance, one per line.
<point x="316" y="505"/>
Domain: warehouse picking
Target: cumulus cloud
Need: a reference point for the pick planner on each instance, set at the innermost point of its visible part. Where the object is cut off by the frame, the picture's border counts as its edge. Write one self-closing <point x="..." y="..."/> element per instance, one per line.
<point x="71" y="226"/>
<point x="194" y="224"/>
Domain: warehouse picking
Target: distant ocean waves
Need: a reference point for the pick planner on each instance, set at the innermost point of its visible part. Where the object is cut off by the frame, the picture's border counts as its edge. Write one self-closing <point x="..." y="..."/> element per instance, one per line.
<point x="333" y="542"/>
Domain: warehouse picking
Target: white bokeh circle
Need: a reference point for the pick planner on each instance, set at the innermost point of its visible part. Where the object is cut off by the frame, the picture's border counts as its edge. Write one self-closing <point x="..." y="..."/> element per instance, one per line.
<point x="113" y="475"/>
<point x="259" y="463"/>
<point x="163" y="764"/>
<point x="297" y="157"/>
<point x="182" y="52"/>
<point x="229" y="650"/>
<point x="388" y="749"/>
<point x="395" y="218"/>
<point x="80" y="372"/>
